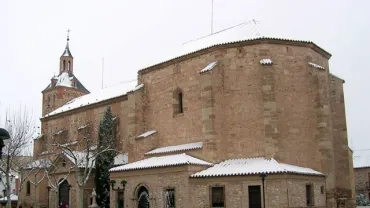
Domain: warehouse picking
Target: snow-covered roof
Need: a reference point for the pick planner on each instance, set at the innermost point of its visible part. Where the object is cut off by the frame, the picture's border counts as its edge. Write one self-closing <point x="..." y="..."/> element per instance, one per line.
<point x="64" y="80"/>
<point x="146" y="134"/>
<point x="361" y="158"/>
<point x="69" y="143"/>
<point x="59" y="132"/>
<point x="46" y="152"/>
<point x="315" y="65"/>
<point x="40" y="163"/>
<point x="82" y="127"/>
<point x="266" y="61"/>
<point x="39" y="136"/>
<point x="163" y="161"/>
<point x="119" y="159"/>
<point x="67" y="79"/>
<point x="80" y="158"/>
<point x="13" y="197"/>
<point x="235" y="34"/>
<point x="92" y="98"/>
<point x="176" y="148"/>
<point x="253" y="166"/>
<point x="209" y="67"/>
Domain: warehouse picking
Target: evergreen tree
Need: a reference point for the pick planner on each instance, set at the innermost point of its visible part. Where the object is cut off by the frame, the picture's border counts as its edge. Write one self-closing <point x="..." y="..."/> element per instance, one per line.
<point x="105" y="160"/>
<point x="361" y="200"/>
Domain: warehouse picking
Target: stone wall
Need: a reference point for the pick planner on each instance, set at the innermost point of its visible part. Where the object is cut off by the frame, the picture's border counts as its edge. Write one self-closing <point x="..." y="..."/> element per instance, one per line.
<point x="289" y="111"/>
<point x="38" y="193"/>
<point x="362" y="181"/>
<point x="281" y="190"/>
<point x="156" y="180"/>
<point x="58" y="96"/>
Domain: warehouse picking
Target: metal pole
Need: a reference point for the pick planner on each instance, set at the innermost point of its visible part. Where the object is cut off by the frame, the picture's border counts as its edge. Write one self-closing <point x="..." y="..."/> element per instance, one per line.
<point x="48" y="197"/>
<point x="263" y="175"/>
<point x="212" y="19"/>
<point x="102" y="73"/>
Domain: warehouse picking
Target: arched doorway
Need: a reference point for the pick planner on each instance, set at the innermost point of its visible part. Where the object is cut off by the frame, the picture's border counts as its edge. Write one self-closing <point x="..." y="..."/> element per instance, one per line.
<point x="143" y="198"/>
<point x="64" y="194"/>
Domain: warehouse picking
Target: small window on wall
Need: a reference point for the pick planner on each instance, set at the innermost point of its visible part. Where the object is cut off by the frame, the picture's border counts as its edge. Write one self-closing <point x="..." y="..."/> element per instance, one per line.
<point x="218" y="196"/>
<point x="181" y="109"/>
<point x="170" y="198"/>
<point x="309" y="194"/>
<point x="322" y="190"/>
<point x="28" y="188"/>
<point x="178" y="105"/>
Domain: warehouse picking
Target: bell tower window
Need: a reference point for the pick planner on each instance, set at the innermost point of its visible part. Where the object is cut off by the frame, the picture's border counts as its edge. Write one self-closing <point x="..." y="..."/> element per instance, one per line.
<point x="69" y="65"/>
<point x="64" y="65"/>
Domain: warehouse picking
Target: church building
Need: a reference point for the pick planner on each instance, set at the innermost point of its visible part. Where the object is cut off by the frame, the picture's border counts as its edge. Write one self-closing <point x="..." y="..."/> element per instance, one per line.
<point x="225" y="122"/>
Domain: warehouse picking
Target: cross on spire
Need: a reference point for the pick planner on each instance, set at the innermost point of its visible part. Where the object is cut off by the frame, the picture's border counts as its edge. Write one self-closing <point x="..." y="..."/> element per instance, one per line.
<point x="68" y="34"/>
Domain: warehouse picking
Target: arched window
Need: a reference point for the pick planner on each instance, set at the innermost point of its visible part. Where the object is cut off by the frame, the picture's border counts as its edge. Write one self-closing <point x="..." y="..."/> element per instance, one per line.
<point x="143" y="197"/>
<point x="64" y="65"/>
<point x="28" y="188"/>
<point x="69" y="65"/>
<point x="49" y="101"/>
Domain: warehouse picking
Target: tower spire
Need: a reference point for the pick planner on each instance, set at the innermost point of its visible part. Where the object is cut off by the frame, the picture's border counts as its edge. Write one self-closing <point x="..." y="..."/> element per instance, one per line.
<point x="67" y="52"/>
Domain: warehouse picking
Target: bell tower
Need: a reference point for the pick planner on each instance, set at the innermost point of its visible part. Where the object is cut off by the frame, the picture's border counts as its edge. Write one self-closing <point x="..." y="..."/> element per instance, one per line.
<point x="66" y="60"/>
<point x="65" y="86"/>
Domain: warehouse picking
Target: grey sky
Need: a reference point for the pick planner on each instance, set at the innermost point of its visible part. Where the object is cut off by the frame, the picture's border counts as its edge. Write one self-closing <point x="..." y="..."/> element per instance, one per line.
<point x="130" y="33"/>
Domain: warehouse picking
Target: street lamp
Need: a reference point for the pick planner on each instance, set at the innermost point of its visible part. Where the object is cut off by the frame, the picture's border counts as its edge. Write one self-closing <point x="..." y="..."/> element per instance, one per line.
<point x="48" y="188"/>
<point x="4" y="135"/>
<point x="123" y="183"/>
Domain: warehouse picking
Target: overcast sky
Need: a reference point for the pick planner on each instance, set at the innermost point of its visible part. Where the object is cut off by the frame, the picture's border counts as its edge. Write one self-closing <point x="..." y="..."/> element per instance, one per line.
<point x="129" y="34"/>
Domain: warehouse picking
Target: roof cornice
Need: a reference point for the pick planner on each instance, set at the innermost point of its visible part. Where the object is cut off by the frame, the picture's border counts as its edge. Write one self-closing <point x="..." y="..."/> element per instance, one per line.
<point x="255" y="41"/>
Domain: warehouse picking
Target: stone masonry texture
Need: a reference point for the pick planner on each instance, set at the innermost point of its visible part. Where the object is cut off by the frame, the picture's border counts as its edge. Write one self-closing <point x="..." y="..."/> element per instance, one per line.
<point x="289" y="111"/>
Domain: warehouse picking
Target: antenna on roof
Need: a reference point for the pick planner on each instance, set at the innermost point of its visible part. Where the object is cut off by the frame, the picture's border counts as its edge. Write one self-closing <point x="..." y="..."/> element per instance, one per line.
<point x="212" y="19"/>
<point x="253" y="30"/>
<point x="256" y="32"/>
<point x="102" y="73"/>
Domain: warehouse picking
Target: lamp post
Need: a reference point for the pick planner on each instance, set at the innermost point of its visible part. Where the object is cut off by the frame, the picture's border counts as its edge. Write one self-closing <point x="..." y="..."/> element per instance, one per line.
<point x="69" y="189"/>
<point x="4" y="135"/>
<point x="123" y="183"/>
<point x="48" y="188"/>
<point x="263" y="176"/>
